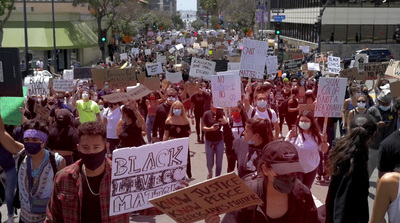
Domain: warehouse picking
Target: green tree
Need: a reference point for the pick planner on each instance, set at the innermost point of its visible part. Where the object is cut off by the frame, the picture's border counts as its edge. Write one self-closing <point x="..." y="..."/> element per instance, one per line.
<point x="101" y="9"/>
<point x="211" y="6"/>
<point x="6" y="7"/>
<point x="214" y="22"/>
<point x="197" y="24"/>
<point x="240" y="14"/>
<point x="125" y="22"/>
<point x="177" y="21"/>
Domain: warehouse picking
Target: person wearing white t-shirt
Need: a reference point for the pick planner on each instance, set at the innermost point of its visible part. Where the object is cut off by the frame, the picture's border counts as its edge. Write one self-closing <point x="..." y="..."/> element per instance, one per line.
<point x="39" y="64"/>
<point x="111" y="118"/>
<point x="261" y="110"/>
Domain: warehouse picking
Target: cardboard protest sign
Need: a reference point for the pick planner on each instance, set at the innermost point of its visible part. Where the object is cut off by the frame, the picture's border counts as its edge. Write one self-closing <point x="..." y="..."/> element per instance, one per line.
<point x="142" y="173"/>
<point x="191" y="88"/>
<point x="313" y="66"/>
<point x="252" y="62"/>
<point x="10" y="108"/>
<point x="37" y="85"/>
<point x="373" y="70"/>
<point x="68" y="74"/>
<point x="293" y="64"/>
<point x="202" y="68"/>
<point x="204" y="44"/>
<point x="393" y="69"/>
<point x="226" y="90"/>
<point x="161" y="59"/>
<point x="330" y="97"/>
<point x="117" y="97"/>
<point x="152" y="83"/>
<point x="334" y="65"/>
<point x="173" y="77"/>
<point x="360" y="61"/>
<point x="62" y="85"/>
<point x="303" y="107"/>
<point x="138" y="91"/>
<point x="233" y="66"/>
<point x="305" y="49"/>
<point x="395" y="89"/>
<point x="116" y="78"/>
<point x="222" y="194"/>
<point x="272" y="64"/>
<point x="154" y="69"/>
<point x="234" y="59"/>
<point x="82" y="73"/>
<point x="10" y="72"/>
<point x="350" y="73"/>
<point x="294" y="54"/>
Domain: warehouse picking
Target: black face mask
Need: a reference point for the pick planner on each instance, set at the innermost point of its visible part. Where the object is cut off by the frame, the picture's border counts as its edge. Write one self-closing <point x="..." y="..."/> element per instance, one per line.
<point x="92" y="161"/>
<point x="284" y="183"/>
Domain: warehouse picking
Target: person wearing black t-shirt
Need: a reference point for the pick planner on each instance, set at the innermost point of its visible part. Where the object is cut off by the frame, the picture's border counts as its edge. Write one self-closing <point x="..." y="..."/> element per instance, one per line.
<point x="198" y="100"/>
<point x="162" y="114"/>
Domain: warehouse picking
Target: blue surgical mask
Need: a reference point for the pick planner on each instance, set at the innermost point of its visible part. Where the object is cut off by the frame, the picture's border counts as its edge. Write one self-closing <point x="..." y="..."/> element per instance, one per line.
<point x="32" y="148"/>
<point x="177" y="112"/>
<point x="106" y="87"/>
<point x="262" y="104"/>
<point x="384" y="108"/>
<point x="95" y="88"/>
<point x="301" y="83"/>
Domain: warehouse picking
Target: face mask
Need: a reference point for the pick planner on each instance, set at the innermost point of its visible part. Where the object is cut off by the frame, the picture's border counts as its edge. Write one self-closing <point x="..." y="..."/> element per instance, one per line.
<point x="32" y="148"/>
<point x="301" y="83"/>
<point x="262" y="104"/>
<point x="171" y="99"/>
<point x="95" y="88"/>
<point x="361" y="105"/>
<point x="365" y="92"/>
<point x="101" y="107"/>
<point x="123" y="120"/>
<point x="284" y="184"/>
<point x="305" y="125"/>
<point x="294" y="83"/>
<point x="92" y="161"/>
<point x="177" y="112"/>
<point x="50" y="103"/>
<point x="152" y="98"/>
<point x="106" y="87"/>
<point x="236" y="114"/>
<point x="384" y="108"/>
<point x="203" y="89"/>
<point x="85" y="96"/>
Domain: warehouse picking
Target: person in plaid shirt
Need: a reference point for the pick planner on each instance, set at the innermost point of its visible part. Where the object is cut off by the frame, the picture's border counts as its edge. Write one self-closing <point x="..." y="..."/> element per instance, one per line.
<point x="81" y="191"/>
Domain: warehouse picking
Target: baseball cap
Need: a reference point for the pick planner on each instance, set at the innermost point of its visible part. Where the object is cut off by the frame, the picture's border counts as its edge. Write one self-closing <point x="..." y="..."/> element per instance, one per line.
<point x="282" y="156"/>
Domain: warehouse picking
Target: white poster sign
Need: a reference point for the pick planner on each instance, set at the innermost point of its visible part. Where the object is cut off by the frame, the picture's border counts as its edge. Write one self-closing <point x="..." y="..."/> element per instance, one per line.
<point x="135" y="51"/>
<point x="196" y="46"/>
<point x="330" y="97"/>
<point x="305" y="49"/>
<point x="252" y="62"/>
<point x="167" y="42"/>
<point x="313" y="66"/>
<point x="360" y="60"/>
<point x="226" y="90"/>
<point x="153" y="69"/>
<point x="272" y="64"/>
<point x="202" y="68"/>
<point x="146" y="172"/>
<point x="63" y="85"/>
<point x="68" y="74"/>
<point x="147" y="52"/>
<point x="171" y="50"/>
<point x="161" y="59"/>
<point x="393" y="69"/>
<point x="37" y="85"/>
<point x="333" y="65"/>
<point x="233" y="66"/>
<point x="173" y="77"/>
<point x="123" y="56"/>
<point x="179" y="47"/>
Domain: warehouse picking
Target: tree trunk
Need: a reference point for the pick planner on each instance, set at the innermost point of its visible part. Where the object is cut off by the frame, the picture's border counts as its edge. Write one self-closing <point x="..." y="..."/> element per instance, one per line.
<point x="208" y="14"/>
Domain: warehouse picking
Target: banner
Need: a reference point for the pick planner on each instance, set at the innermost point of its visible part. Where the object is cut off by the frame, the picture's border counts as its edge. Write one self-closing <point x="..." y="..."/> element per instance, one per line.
<point x="226" y="90"/>
<point x="10" y="108"/>
<point x="393" y="69"/>
<point x="82" y="73"/>
<point x="272" y="64"/>
<point x="333" y="65"/>
<point x="252" y="61"/>
<point x="63" y="85"/>
<point x="294" y="54"/>
<point x="117" y="97"/>
<point x="202" y="68"/>
<point x="116" y="78"/>
<point x="37" y="85"/>
<point x="330" y="97"/>
<point x="154" y="69"/>
<point x="173" y="77"/>
<point x="220" y="195"/>
<point x="293" y="64"/>
<point x="137" y="92"/>
<point x="360" y="61"/>
<point x="373" y="70"/>
<point x="142" y="173"/>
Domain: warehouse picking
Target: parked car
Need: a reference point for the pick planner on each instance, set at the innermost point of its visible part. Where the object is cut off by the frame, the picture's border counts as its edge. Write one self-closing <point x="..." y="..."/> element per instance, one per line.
<point x="374" y="55"/>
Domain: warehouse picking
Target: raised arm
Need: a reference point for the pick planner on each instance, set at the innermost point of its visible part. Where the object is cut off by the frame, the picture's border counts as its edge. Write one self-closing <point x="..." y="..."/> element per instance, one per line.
<point x="7" y="141"/>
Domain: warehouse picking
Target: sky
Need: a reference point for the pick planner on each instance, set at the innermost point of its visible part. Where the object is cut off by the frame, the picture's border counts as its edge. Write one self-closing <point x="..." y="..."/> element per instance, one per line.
<point x="187" y="5"/>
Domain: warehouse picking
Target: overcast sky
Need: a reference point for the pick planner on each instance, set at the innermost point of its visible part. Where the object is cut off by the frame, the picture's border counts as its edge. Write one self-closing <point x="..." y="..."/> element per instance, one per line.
<point x="187" y="5"/>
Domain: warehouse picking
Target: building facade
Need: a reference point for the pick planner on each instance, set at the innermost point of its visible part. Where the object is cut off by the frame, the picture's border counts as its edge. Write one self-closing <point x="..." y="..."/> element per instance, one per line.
<point x="347" y="25"/>
<point x="163" y="5"/>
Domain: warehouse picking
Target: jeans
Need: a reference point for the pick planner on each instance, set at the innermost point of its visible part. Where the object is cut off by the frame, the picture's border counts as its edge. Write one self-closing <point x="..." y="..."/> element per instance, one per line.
<point x="197" y="118"/>
<point x="11" y="185"/>
<point x="149" y="127"/>
<point x="307" y="178"/>
<point x="216" y="148"/>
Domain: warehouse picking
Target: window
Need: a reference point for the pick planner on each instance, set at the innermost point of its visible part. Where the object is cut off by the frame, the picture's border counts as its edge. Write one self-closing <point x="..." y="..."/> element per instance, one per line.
<point x="326" y="33"/>
<point x="367" y="34"/>
<point x="339" y="34"/>
<point x="353" y="33"/>
<point x="380" y="34"/>
<point x="391" y="33"/>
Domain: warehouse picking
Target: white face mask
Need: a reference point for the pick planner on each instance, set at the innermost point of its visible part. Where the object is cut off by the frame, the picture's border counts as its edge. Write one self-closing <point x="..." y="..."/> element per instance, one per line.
<point x="361" y="104"/>
<point x="85" y="96"/>
<point x="305" y="125"/>
<point x="171" y="99"/>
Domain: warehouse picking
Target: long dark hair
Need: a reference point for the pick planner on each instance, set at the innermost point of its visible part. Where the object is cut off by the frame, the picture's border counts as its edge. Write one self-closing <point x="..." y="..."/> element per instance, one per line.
<point x="352" y="150"/>
<point x="314" y="129"/>
<point x="262" y="127"/>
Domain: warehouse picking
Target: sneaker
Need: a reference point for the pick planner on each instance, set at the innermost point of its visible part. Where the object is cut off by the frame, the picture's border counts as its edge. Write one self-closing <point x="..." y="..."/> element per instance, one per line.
<point x="209" y="176"/>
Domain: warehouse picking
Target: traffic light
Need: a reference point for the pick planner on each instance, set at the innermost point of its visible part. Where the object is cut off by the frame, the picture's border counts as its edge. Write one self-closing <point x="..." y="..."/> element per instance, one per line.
<point x="103" y="35"/>
<point x="278" y="28"/>
<point x="154" y="25"/>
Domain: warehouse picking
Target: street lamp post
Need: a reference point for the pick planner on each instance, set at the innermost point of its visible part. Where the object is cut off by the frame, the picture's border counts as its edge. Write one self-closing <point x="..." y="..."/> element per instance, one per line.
<point x="27" y="70"/>
<point x="321" y="13"/>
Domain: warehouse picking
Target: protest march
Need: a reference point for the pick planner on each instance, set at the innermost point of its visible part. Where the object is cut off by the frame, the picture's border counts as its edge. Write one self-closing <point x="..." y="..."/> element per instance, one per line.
<point x="200" y="126"/>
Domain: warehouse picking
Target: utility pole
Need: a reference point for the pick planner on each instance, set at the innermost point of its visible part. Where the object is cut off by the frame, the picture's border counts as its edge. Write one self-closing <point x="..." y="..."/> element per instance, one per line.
<point x="27" y="70"/>
<point x="321" y="13"/>
<point x="54" y="39"/>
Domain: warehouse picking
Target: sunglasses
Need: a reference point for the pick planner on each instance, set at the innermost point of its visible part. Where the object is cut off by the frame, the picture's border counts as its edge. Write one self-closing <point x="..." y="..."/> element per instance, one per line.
<point x="361" y="101"/>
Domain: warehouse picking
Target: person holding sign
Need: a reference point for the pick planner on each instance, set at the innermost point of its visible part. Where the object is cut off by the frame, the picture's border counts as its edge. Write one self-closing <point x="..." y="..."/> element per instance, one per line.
<point x="285" y="198"/>
<point x="307" y="138"/>
<point x="81" y="191"/>
<point x="347" y="198"/>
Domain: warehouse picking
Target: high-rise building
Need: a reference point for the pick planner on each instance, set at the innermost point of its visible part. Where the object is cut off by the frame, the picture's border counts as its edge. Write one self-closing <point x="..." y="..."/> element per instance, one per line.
<point x="347" y="25"/>
<point x="164" y="5"/>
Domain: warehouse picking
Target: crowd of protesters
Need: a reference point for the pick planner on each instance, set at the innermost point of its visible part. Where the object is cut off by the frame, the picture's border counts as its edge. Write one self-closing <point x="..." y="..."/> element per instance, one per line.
<point x="75" y="133"/>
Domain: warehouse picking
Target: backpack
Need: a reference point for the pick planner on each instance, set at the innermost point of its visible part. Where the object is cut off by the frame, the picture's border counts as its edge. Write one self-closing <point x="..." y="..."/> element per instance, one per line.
<point x="253" y="113"/>
<point x="22" y="155"/>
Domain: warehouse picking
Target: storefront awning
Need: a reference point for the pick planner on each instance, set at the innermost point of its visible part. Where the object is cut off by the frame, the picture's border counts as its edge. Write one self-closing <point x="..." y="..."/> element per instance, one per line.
<point x="69" y="35"/>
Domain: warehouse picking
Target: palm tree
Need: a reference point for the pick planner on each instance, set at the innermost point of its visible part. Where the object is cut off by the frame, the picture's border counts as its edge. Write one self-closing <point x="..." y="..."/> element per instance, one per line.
<point x="211" y="6"/>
